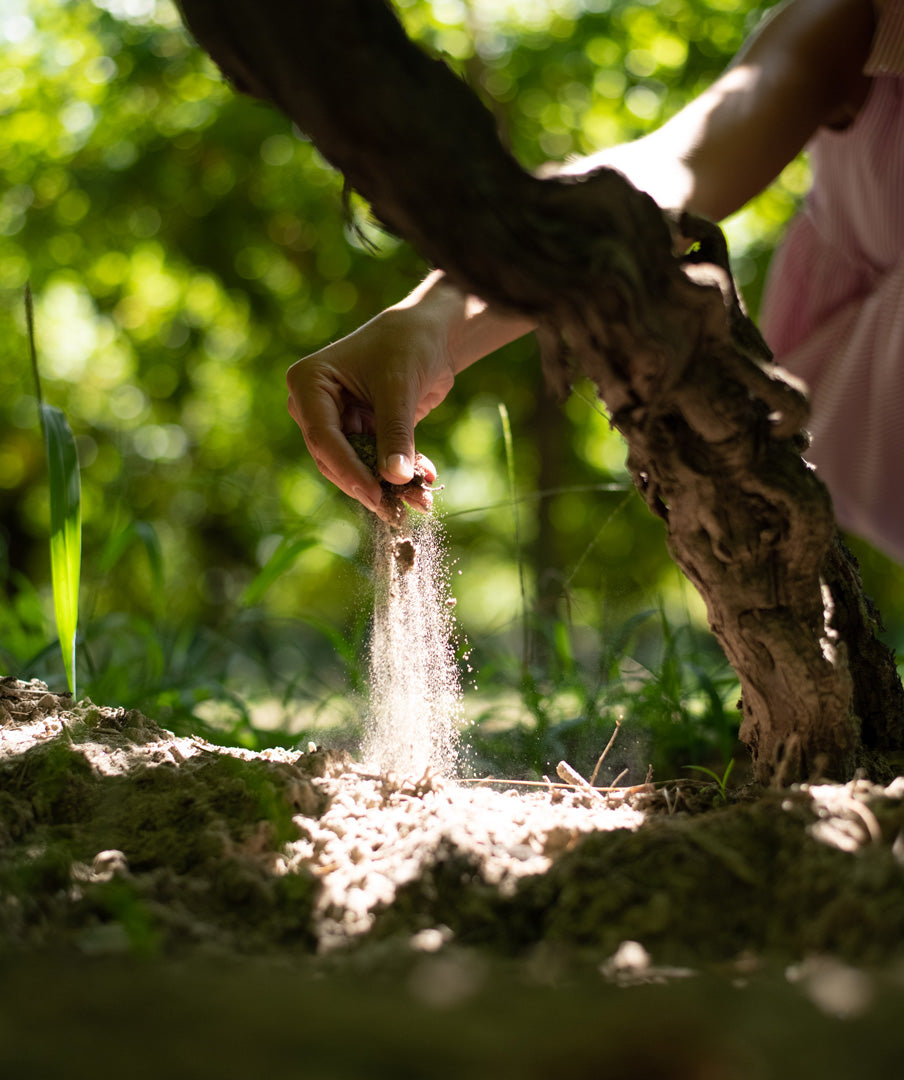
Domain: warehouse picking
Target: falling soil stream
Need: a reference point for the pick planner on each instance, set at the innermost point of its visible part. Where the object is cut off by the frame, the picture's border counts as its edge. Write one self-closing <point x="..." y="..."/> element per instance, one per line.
<point x="415" y="693"/>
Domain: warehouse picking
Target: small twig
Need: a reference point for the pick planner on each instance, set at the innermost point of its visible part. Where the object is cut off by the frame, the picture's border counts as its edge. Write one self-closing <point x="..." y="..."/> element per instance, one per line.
<point x="546" y="783"/>
<point x="602" y="756"/>
<point x="42" y="692"/>
<point x="574" y="779"/>
<point x="571" y="776"/>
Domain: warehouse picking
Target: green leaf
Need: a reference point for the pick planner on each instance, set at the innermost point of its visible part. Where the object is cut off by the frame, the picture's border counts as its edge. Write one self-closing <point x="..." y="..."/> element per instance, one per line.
<point x="280" y="561"/>
<point x="147" y="534"/>
<point x="118" y="543"/>
<point x="65" y="531"/>
<point x="564" y="651"/>
<point x="115" y="546"/>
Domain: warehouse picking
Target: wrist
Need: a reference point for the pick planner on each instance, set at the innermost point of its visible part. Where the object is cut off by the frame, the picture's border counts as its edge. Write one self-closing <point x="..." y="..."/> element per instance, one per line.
<point x="465" y="326"/>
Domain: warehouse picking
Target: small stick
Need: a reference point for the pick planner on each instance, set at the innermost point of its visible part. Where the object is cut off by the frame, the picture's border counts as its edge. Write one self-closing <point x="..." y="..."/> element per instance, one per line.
<point x="545" y="783"/>
<point x="574" y="779"/>
<point x="602" y="757"/>
<point x="620" y="776"/>
<point x="548" y="785"/>
<point x="569" y="775"/>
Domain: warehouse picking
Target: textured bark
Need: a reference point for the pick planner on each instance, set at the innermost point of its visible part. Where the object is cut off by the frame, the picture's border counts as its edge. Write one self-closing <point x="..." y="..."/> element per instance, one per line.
<point x="715" y="430"/>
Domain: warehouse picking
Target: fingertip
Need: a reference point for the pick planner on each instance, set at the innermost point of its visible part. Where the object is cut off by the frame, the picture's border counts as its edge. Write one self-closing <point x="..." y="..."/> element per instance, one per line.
<point x="428" y="468"/>
<point x="367" y="498"/>
<point x="398" y="468"/>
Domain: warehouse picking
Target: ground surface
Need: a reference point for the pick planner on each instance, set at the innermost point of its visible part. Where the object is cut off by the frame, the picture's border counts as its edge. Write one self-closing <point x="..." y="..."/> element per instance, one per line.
<point x="472" y="929"/>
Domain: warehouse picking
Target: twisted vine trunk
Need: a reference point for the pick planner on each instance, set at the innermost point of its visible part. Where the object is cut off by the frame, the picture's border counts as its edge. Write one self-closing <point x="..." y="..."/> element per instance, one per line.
<point x="715" y="431"/>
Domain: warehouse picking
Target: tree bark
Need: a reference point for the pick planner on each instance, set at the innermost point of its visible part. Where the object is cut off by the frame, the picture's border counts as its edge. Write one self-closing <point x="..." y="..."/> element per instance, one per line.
<point x="715" y="430"/>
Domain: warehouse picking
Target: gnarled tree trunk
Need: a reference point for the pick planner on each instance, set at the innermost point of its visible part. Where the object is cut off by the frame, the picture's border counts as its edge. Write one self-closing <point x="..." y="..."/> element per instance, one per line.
<point x="715" y="431"/>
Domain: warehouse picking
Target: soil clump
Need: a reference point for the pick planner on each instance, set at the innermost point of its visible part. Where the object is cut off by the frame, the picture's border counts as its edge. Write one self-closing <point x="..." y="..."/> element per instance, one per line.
<point x="417" y="492"/>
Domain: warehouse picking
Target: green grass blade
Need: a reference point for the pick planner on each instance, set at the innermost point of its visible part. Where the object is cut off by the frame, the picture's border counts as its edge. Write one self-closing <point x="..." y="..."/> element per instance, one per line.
<point x="119" y="542"/>
<point x="147" y="534"/>
<point x="286" y="553"/>
<point x="564" y="651"/>
<point x="65" y="531"/>
<point x="32" y="350"/>
<point x="65" y="509"/>
<point x="115" y="546"/>
<point x="509" y="448"/>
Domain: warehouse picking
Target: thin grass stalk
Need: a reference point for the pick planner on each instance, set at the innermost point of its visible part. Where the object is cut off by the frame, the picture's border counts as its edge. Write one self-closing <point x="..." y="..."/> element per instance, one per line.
<point x="631" y="494"/>
<point x="542" y="493"/>
<point x="65" y="511"/>
<point x="519" y="555"/>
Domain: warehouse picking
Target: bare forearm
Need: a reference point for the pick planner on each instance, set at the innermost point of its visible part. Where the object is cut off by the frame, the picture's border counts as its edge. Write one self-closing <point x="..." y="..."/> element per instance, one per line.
<point x="801" y="70"/>
<point x="470" y="327"/>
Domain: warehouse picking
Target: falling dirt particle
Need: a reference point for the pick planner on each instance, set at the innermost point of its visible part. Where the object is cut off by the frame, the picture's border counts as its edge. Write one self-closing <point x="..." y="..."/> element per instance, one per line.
<point x="404" y="552"/>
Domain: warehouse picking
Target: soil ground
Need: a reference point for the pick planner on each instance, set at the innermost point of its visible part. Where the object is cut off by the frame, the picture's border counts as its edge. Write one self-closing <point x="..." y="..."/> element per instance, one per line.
<point x="170" y="907"/>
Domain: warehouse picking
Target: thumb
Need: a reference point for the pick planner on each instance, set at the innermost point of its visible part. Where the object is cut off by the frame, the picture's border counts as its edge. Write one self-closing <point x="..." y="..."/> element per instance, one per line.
<point x="395" y="434"/>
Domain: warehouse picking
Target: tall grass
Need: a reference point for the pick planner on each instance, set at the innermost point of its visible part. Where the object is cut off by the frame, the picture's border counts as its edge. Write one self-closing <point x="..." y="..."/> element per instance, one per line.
<point x="516" y="520"/>
<point x="668" y="686"/>
<point x="65" y="511"/>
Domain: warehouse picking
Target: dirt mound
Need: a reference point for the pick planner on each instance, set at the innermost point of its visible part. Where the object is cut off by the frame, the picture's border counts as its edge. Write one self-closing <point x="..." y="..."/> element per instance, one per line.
<point x="116" y="836"/>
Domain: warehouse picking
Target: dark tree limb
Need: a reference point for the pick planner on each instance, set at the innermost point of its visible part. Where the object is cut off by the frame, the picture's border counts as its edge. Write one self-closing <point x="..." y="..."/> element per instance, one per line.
<point x="715" y="430"/>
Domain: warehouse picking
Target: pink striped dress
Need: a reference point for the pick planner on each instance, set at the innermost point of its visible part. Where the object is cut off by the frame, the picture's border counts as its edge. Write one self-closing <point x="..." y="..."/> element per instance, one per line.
<point x="833" y="312"/>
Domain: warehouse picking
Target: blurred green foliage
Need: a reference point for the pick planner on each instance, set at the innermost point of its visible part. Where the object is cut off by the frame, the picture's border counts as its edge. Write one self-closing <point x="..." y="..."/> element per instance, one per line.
<point x="185" y="244"/>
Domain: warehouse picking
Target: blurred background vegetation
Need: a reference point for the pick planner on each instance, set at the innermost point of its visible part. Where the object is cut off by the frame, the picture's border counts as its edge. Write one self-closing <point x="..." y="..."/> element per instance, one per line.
<point x="185" y="245"/>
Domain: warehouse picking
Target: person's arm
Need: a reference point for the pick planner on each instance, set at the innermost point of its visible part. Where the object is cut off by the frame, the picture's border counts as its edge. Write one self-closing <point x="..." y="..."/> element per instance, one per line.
<point x="386" y="376"/>
<point x="802" y="69"/>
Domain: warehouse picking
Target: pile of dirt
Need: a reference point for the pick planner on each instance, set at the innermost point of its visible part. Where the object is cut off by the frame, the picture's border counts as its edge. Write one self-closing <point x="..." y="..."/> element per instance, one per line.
<point x="172" y="907"/>
<point x="118" y="837"/>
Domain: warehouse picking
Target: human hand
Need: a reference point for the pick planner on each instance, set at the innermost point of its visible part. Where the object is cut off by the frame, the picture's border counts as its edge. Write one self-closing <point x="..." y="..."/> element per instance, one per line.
<point x="382" y="379"/>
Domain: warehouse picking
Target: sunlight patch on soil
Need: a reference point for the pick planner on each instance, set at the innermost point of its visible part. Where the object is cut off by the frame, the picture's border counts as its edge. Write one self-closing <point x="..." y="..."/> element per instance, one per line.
<point x="380" y="836"/>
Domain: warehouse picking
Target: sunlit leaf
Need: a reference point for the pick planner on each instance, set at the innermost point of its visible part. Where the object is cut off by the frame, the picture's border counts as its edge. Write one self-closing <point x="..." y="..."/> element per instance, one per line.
<point x="65" y="530"/>
<point x="65" y="509"/>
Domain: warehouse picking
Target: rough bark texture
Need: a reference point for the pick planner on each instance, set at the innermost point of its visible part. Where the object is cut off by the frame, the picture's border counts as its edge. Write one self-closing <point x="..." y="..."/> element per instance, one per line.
<point x="715" y="430"/>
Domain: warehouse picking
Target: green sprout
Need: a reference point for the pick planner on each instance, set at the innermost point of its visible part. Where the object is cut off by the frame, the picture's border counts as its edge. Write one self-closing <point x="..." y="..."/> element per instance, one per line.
<point x="65" y="511"/>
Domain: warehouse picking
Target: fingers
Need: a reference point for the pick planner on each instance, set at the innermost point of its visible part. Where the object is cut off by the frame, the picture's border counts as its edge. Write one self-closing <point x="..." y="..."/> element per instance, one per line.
<point x="381" y="379"/>
<point x="419" y="499"/>
<point x="315" y="404"/>
<point x="394" y="412"/>
<point x="428" y="467"/>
